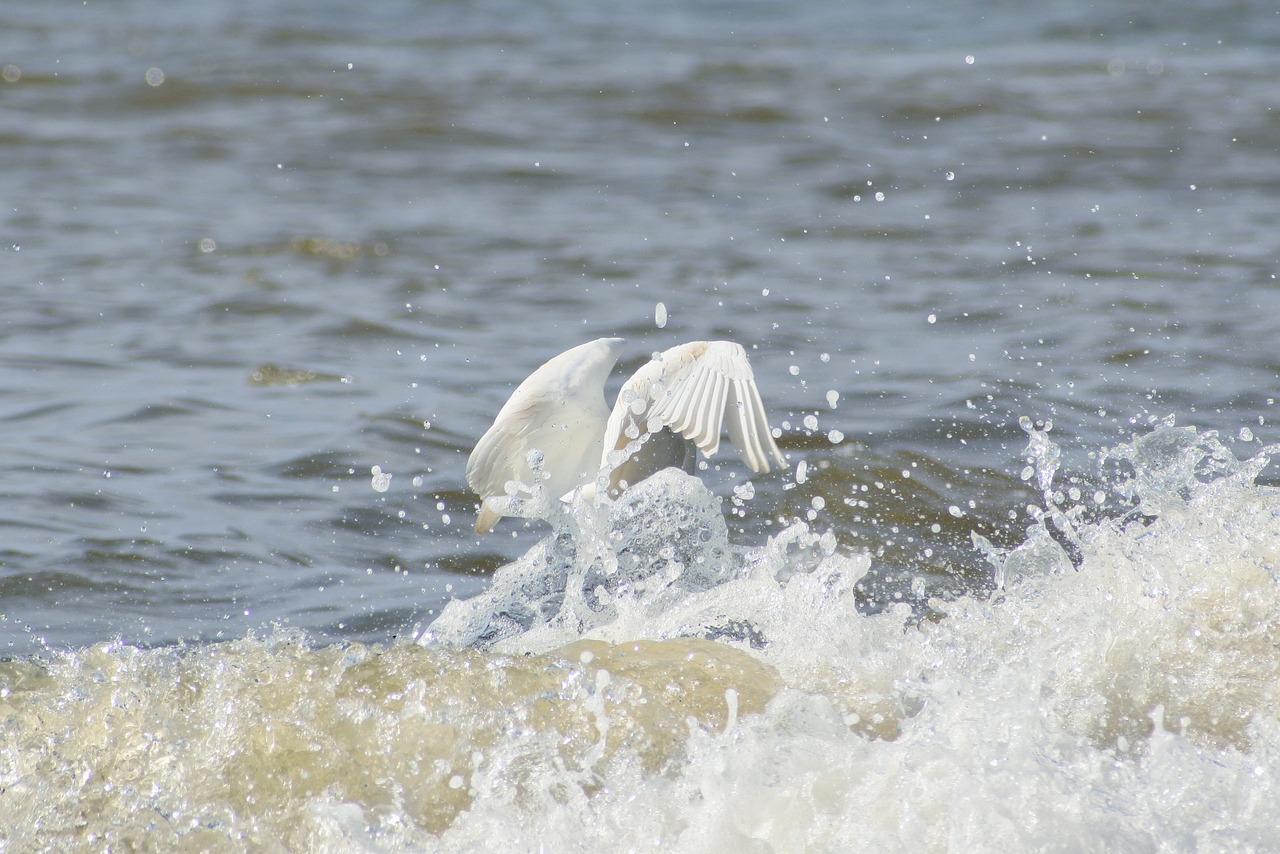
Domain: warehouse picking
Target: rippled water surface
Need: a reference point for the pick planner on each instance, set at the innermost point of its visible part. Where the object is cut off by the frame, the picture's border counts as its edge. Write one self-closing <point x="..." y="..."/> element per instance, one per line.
<point x="250" y="252"/>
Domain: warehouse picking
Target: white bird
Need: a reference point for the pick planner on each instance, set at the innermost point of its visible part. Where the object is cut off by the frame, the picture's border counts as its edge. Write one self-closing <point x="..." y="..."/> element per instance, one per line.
<point x="557" y="431"/>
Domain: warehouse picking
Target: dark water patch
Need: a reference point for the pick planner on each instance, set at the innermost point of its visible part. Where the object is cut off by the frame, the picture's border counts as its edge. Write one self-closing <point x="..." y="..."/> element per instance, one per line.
<point x="370" y="521"/>
<point x="363" y="328"/>
<point x="37" y="413"/>
<point x="157" y="412"/>
<point x="134" y="556"/>
<point x="18" y="584"/>
<point x="283" y="501"/>
<point x="476" y="563"/>
<point x="402" y="430"/>
<point x="233" y="309"/>
<point x="46" y="362"/>
<point x="207" y="556"/>
<point x="327" y="465"/>
<point x="385" y="625"/>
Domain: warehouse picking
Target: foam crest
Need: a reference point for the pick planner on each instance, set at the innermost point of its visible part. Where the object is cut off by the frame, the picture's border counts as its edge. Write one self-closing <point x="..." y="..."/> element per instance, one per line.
<point x="638" y="679"/>
<point x="1121" y="699"/>
<point x="634" y="564"/>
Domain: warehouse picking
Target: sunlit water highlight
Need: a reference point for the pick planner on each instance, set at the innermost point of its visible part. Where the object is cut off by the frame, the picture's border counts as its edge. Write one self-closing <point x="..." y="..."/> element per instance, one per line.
<point x="637" y="679"/>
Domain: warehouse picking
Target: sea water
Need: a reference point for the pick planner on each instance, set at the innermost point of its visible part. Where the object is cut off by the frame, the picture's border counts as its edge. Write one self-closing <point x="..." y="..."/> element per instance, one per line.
<point x="268" y="270"/>
<point x="637" y="681"/>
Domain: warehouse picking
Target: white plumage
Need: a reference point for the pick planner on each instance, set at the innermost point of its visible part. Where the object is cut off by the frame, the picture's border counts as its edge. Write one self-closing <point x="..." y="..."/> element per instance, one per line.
<point x="557" y="422"/>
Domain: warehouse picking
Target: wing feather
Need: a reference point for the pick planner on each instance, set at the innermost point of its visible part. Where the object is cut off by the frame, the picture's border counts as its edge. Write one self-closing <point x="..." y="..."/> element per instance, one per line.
<point x="737" y="430"/>
<point x="696" y="409"/>
<point x="673" y="407"/>
<point x="749" y="429"/>
<point x="709" y="439"/>
<point x="694" y="389"/>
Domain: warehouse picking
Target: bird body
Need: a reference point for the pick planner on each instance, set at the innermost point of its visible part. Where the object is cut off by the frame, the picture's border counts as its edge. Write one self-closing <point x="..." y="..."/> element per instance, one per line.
<point x="557" y="431"/>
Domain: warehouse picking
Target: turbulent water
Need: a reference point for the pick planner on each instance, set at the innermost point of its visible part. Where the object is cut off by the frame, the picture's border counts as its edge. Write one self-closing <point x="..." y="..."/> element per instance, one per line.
<point x="638" y="682"/>
<point x="1008" y="280"/>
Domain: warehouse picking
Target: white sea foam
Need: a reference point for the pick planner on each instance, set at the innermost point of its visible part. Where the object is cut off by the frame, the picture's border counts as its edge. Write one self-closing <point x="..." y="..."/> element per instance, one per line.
<point x="1128" y="703"/>
<point x="637" y="681"/>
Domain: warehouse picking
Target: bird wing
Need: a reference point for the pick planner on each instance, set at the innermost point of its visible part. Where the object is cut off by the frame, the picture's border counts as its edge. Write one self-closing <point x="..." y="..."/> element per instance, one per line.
<point x="567" y="436"/>
<point x="693" y="389"/>
<point x="500" y="455"/>
<point x="559" y="410"/>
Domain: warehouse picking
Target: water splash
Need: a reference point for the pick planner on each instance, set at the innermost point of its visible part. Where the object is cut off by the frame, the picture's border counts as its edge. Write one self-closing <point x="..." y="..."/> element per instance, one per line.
<point x="1039" y="553"/>
<point x="641" y="557"/>
<point x="638" y="679"/>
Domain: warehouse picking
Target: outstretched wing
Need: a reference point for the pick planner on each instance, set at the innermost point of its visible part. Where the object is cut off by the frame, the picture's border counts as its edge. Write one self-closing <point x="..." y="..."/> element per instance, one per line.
<point x="693" y="390"/>
<point x="557" y="412"/>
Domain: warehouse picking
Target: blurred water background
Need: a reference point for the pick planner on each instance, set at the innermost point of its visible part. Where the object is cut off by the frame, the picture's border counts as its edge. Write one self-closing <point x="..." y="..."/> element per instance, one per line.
<point x="250" y="251"/>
